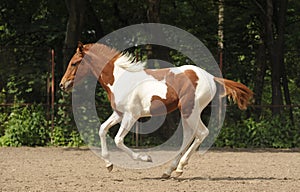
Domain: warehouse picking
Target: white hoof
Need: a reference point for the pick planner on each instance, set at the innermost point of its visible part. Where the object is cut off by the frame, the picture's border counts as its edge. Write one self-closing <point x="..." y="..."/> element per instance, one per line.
<point x="178" y="173"/>
<point x="145" y="158"/>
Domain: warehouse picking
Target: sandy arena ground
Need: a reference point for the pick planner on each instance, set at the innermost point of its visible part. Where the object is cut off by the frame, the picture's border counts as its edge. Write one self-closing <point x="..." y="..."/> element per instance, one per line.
<point x="65" y="169"/>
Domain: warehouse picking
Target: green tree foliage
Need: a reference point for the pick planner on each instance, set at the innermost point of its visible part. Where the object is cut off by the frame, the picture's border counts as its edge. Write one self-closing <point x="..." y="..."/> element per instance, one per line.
<point x="30" y="29"/>
<point x="25" y="126"/>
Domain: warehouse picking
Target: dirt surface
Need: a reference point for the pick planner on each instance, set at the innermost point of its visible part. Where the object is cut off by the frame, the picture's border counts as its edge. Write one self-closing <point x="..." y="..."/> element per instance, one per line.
<point x="64" y="169"/>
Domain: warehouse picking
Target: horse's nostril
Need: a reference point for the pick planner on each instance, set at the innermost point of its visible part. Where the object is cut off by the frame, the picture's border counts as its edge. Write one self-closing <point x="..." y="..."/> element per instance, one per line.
<point x="61" y="86"/>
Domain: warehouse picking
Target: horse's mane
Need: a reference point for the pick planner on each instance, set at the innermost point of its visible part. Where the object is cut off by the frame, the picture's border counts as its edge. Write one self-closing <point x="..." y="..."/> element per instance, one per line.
<point x="128" y="62"/>
<point x="125" y="60"/>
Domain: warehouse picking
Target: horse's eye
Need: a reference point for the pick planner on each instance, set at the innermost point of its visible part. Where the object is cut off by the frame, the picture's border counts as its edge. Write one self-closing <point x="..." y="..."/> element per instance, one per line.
<point x="73" y="64"/>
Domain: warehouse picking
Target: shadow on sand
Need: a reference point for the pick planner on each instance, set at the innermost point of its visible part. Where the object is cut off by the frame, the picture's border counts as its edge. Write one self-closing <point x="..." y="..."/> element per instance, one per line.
<point x="217" y="178"/>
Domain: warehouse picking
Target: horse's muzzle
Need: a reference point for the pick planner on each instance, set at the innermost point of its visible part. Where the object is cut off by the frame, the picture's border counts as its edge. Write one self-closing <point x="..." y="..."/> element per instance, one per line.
<point x="67" y="86"/>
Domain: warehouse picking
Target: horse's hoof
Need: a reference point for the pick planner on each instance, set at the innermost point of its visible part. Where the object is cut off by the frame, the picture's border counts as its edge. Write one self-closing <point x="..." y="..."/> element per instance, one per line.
<point x="149" y="159"/>
<point x="178" y="174"/>
<point x="145" y="158"/>
<point x="165" y="176"/>
<point x="110" y="167"/>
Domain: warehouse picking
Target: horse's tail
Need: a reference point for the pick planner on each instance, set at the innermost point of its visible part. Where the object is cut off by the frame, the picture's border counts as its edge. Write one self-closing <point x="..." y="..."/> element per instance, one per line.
<point x="236" y="91"/>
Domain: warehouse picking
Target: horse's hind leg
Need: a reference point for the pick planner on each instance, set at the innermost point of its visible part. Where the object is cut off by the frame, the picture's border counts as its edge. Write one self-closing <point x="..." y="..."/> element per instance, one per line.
<point x="201" y="134"/>
<point x="188" y="137"/>
<point x="111" y="121"/>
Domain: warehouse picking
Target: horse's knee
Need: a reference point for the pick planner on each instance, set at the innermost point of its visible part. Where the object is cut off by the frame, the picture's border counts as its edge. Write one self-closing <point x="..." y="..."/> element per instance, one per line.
<point x="102" y="132"/>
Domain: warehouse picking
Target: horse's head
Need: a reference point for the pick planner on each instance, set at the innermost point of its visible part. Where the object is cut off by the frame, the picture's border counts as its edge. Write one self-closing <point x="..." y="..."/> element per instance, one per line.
<point x="67" y="81"/>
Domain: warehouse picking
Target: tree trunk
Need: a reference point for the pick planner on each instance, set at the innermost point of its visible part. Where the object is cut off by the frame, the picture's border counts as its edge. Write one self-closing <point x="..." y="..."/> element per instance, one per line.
<point x="287" y="93"/>
<point x="280" y="42"/>
<point x="221" y="33"/>
<point x="219" y="102"/>
<point x="153" y="11"/>
<point x="275" y="48"/>
<point x="260" y="76"/>
<point x="76" y="10"/>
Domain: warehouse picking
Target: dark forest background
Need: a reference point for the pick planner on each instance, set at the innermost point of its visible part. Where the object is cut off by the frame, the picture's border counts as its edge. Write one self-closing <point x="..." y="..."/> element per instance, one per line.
<point x="256" y="42"/>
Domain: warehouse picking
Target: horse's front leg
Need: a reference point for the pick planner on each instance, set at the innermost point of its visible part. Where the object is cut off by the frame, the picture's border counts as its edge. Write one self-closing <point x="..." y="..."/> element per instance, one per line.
<point x="111" y="121"/>
<point x="127" y="122"/>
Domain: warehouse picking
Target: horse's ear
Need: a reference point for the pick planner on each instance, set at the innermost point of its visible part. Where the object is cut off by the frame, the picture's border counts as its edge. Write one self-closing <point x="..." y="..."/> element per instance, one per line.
<point x="80" y="47"/>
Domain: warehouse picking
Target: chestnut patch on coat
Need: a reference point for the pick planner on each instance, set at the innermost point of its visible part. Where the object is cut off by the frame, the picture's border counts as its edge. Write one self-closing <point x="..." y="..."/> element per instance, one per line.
<point x="158" y="74"/>
<point x="107" y="78"/>
<point x="107" y="73"/>
<point x="180" y="91"/>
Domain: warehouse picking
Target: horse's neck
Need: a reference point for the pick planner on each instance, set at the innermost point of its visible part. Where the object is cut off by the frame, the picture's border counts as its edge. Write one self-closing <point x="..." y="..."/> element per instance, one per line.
<point x="107" y="73"/>
<point x="101" y="60"/>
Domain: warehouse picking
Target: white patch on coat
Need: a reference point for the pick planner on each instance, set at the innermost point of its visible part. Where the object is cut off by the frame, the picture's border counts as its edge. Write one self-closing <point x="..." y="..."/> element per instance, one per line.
<point x="133" y="91"/>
